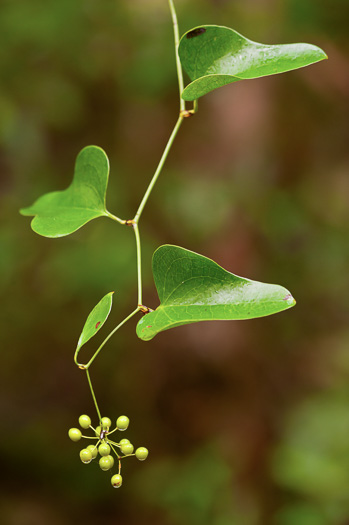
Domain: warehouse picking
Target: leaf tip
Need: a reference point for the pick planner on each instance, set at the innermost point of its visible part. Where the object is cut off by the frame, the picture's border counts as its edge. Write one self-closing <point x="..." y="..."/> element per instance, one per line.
<point x="25" y="211"/>
<point x="290" y="300"/>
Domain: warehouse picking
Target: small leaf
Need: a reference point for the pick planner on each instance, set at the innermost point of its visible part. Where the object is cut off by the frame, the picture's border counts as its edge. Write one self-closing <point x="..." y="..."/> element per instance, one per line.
<point x="95" y="320"/>
<point x="214" y="56"/>
<point x="193" y="288"/>
<point x="63" y="212"/>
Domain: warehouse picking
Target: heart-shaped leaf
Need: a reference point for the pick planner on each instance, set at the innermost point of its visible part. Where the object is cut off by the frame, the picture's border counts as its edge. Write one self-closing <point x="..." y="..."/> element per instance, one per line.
<point x="214" y="56"/>
<point x="95" y="320"/>
<point x="63" y="212"/>
<point x="193" y="288"/>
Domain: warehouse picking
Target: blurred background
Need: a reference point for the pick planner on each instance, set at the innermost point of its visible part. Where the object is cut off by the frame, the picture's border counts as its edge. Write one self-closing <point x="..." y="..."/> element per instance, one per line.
<point x="247" y="422"/>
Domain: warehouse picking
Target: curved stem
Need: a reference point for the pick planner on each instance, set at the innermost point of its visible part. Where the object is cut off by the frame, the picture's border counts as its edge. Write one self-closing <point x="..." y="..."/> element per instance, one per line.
<point x="178" y="62"/>
<point x="93" y="394"/>
<point x="158" y="169"/>
<point x="87" y="365"/>
<point x="139" y="262"/>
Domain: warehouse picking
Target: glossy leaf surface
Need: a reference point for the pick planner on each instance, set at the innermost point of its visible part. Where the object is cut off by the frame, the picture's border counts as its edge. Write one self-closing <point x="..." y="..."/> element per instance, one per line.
<point x="63" y="212"/>
<point x="214" y="56"/>
<point x="193" y="288"/>
<point x="96" y="319"/>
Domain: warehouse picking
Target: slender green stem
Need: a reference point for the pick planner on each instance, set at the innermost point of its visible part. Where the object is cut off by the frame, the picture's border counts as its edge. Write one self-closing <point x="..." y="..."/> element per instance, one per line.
<point x="113" y="442"/>
<point x="116" y="454"/>
<point x="158" y="169"/>
<point x="139" y="263"/>
<point x="87" y="366"/>
<point x="178" y="62"/>
<point x="93" y="394"/>
<point x="112" y="431"/>
<point x="115" y="218"/>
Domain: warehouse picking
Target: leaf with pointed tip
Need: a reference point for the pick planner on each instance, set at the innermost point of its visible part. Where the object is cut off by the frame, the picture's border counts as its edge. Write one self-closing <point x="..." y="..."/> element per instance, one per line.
<point x="63" y="212"/>
<point x="193" y="288"/>
<point x="95" y="320"/>
<point x="214" y="56"/>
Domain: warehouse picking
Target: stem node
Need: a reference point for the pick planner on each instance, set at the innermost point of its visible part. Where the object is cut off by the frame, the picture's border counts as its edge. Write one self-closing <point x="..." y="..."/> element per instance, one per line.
<point x="145" y="309"/>
<point x="187" y="113"/>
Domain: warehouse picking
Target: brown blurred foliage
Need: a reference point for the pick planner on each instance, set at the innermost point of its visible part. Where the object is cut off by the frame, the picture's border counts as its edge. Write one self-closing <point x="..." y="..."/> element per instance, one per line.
<point x="247" y="423"/>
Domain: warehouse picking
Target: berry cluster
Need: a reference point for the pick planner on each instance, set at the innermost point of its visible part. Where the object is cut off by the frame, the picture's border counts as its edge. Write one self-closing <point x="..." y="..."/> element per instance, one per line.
<point x="104" y="446"/>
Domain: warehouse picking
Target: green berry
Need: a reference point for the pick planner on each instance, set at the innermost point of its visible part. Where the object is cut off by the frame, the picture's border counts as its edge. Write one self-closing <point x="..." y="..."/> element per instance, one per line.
<point x="106" y="462"/>
<point x="142" y="453"/>
<point x="127" y="448"/>
<point x="84" y="421"/>
<point x="85" y="455"/>
<point x="74" y="434"/>
<point x="111" y="460"/>
<point x="94" y="451"/>
<point x="105" y="423"/>
<point x="104" y="449"/>
<point x="122" y="422"/>
<point x="116" y="481"/>
<point x="98" y="431"/>
<point x="124" y="441"/>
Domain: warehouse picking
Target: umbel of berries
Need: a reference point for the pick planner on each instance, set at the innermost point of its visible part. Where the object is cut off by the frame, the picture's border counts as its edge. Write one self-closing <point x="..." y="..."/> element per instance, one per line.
<point x="110" y="452"/>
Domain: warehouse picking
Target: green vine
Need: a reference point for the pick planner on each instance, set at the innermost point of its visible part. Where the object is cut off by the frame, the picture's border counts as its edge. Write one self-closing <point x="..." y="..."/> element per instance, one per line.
<point x="191" y="288"/>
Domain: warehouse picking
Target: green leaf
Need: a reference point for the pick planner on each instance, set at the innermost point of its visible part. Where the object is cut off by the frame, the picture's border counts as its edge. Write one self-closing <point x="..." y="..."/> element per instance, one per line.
<point x="95" y="320"/>
<point x="193" y="288"/>
<point x="214" y="56"/>
<point x="63" y="212"/>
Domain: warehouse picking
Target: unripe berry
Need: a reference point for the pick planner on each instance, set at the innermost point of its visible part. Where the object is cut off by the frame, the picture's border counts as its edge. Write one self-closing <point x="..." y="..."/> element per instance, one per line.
<point x="98" y="431"/>
<point x="106" y="462"/>
<point x="124" y="441"/>
<point x="74" y="434"/>
<point x="84" y="421"/>
<point x="105" y="423"/>
<point x="85" y="455"/>
<point x="142" y="453"/>
<point x="116" y="481"/>
<point x="94" y="451"/>
<point x="127" y="448"/>
<point x="111" y="460"/>
<point x="104" y="449"/>
<point x="122" y="422"/>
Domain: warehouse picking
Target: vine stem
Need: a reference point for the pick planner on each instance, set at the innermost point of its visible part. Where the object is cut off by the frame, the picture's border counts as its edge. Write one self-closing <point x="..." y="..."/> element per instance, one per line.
<point x="158" y="170"/>
<point x="93" y="394"/>
<point x="134" y="222"/>
<point x="139" y="263"/>
<point x="178" y="62"/>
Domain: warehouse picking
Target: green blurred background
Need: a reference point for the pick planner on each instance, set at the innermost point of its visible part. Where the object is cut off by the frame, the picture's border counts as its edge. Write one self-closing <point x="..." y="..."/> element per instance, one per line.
<point x="247" y="423"/>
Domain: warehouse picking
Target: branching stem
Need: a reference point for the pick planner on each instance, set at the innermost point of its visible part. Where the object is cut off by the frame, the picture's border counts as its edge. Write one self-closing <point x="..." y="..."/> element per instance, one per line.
<point x="183" y="113"/>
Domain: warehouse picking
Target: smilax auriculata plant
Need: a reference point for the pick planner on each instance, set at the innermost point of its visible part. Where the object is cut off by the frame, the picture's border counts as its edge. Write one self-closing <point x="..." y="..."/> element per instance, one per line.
<point x="191" y="287"/>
